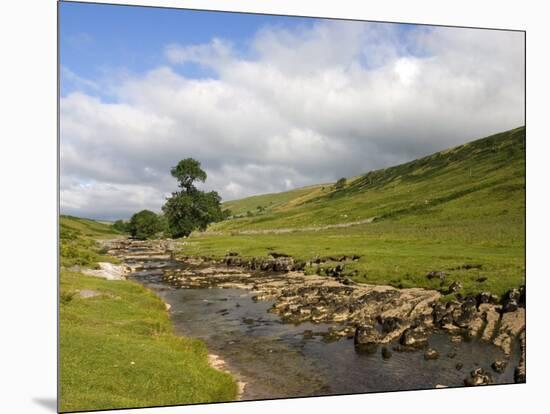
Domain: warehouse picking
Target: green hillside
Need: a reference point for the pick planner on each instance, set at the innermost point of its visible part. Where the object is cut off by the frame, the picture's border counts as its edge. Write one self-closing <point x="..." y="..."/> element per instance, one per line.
<point x="77" y="241"/>
<point x="446" y="211"/>
<point x="274" y="201"/>
<point x="490" y="170"/>
<point x="86" y="227"/>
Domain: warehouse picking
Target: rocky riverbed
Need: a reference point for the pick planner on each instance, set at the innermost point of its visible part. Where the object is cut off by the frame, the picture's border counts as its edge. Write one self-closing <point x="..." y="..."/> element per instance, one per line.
<point x="379" y="319"/>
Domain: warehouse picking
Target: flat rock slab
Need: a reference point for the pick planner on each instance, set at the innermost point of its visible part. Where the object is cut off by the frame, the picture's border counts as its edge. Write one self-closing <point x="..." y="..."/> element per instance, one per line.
<point x="108" y="271"/>
<point x="87" y="293"/>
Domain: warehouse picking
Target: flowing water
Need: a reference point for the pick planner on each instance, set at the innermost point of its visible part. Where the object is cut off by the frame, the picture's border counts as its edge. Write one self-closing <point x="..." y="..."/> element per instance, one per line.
<point x="277" y="359"/>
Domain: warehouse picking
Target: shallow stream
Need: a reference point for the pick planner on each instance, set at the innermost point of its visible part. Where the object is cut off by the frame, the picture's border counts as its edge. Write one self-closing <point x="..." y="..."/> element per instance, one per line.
<point x="277" y="359"/>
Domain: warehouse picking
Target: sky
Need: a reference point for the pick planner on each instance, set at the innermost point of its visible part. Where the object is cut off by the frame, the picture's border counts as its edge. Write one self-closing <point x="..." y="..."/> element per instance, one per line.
<point x="265" y="103"/>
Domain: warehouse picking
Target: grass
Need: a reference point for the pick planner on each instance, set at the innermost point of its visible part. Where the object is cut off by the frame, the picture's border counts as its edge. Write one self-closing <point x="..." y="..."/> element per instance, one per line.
<point x="78" y="247"/>
<point x="117" y="349"/>
<point x="462" y="206"/>
<point x="85" y="227"/>
<point x="271" y="202"/>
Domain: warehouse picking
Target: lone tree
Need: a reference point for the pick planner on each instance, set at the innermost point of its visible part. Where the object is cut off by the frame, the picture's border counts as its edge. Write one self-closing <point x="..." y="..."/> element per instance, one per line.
<point x="341" y="183"/>
<point x="190" y="209"/>
<point x="144" y="224"/>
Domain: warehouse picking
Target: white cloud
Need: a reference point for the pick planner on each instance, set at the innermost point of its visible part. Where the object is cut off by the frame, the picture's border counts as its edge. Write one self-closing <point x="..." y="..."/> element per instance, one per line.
<point x="216" y="53"/>
<point x="308" y="105"/>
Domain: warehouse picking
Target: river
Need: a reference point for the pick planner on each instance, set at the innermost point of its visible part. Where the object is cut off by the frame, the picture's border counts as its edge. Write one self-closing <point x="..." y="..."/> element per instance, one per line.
<point x="277" y="359"/>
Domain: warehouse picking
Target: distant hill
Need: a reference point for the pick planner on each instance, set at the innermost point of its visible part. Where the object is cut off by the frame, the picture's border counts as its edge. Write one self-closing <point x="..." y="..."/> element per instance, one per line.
<point x="86" y="227"/>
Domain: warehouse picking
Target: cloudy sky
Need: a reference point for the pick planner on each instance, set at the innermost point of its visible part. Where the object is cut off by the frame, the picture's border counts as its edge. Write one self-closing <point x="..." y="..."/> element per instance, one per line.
<point x="265" y="103"/>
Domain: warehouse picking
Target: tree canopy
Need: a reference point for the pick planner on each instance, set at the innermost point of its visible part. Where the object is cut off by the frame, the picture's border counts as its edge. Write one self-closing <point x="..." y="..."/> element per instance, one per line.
<point x="144" y="224"/>
<point x="190" y="209"/>
<point x="187" y="172"/>
<point x="121" y="226"/>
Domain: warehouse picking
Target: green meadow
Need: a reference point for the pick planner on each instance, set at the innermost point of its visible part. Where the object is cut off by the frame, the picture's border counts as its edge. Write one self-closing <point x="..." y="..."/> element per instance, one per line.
<point x="459" y="211"/>
<point x="117" y="348"/>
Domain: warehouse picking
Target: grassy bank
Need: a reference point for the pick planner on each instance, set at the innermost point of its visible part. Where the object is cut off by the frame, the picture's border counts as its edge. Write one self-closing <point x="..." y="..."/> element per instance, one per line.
<point x="445" y="212"/>
<point x="117" y="345"/>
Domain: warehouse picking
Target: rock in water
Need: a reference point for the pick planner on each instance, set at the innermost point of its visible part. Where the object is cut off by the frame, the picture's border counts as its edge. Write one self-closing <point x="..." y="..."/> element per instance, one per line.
<point x="386" y="353"/>
<point x="366" y="338"/>
<point x="478" y="377"/>
<point x="390" y="324"/>
<point x="431" y="354"/>
<point x="499" y="366"/>
<point x="414" y="337"/>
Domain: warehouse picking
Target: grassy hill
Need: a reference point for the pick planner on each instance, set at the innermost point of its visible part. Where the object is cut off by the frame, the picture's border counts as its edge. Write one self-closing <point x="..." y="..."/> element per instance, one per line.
<point x="444" y="212"/>
<point x="490" y="170"/>
<point x="77" y="241"/>
<point x="273" y="202"/>
<point x="87" y="227"/>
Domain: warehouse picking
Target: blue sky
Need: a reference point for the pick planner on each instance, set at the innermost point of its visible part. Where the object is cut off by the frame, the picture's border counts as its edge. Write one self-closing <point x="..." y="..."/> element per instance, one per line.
<point x="265" y="103"/>
<point x="98" y="38"/>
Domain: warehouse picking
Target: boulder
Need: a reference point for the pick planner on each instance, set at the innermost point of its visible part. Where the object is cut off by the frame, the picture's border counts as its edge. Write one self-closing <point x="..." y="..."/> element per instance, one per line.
<point x="455" y="287"/>
<point x="365" y="335"/>
<point x="510" y="305"/>
<point x="390" y="324"/>
<point x="478" y="377"/>
<point x="415" y="337"/>
<point x="87" y="293"/>
<point x="499" y="366"/>
<point x="463" y="315"/>
<point x="299" y="266"/>
<point x="483" y="297"/>
<point x="108" y="271"/>
<point x="431" y="354"/>
<point x="510" y="301"/>
<point x="386" y="353"/>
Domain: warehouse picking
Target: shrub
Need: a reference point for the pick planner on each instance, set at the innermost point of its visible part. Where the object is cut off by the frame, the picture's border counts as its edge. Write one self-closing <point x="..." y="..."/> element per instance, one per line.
<point x="341" y="183"/>
<point x="144" y="224"/>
